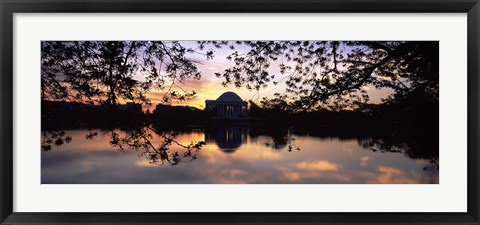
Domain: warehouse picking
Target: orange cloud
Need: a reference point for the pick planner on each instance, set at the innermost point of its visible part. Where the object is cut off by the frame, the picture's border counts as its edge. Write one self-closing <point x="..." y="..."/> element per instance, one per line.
<point x="245" y="153"/>
<point x="292" y="176"/>
<point x="321" y="165"/>
<point x="390" y="175"/>
<point x="364" y="160"/>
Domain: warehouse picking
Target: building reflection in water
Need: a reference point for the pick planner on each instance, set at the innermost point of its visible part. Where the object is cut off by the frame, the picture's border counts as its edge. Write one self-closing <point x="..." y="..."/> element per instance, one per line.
<point x="227" y="137"/>
<point x="321" y="160"/>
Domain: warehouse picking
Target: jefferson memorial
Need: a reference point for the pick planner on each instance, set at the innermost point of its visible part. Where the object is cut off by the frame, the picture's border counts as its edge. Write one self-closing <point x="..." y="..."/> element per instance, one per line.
<point x="228" y="106"/>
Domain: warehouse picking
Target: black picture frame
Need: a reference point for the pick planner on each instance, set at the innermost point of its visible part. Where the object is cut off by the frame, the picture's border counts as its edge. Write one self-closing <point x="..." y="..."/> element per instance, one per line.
<point x="9" y="7"/>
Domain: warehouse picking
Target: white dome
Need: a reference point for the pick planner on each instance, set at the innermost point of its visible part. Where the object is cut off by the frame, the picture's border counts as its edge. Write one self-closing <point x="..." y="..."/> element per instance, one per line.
<point x="229" y="97"/>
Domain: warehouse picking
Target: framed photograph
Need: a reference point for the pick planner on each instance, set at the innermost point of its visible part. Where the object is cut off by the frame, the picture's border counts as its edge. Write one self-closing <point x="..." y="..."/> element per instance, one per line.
<point x="233" y="112"/>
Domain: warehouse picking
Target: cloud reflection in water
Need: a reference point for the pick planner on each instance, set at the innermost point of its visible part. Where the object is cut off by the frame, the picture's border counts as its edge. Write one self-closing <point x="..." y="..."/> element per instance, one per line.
<point x="232" y="155"/>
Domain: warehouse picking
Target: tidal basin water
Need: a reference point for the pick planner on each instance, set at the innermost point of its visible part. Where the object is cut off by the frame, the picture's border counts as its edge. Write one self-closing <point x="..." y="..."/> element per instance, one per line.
<point x="234" y="156"/>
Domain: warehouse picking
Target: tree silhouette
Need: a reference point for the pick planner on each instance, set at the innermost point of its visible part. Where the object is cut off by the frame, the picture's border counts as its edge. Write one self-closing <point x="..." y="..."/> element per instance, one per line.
<point x="56" y="138"/>
<point x="106" y="72"/>
<point x="140" y="139"/>
<point x="318" y="74"/>
<point x="320" y="77"/>
<point x="333" y="74"/>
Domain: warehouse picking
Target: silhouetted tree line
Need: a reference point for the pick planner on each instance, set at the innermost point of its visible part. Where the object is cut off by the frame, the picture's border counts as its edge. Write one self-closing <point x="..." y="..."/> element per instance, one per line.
<point x="67" y="115"/>
<point x="319" y="74"/>
<point x="105" y="84"/>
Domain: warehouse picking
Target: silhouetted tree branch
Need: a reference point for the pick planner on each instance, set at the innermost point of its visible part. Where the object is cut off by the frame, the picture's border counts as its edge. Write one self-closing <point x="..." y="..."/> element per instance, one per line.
<point x="106" y="72"/>
<point x="332" y="74"/>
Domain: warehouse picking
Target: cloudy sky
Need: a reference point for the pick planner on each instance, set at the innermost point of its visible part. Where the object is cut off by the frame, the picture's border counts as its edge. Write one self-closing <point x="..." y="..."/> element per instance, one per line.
<point x="209" y="87"/>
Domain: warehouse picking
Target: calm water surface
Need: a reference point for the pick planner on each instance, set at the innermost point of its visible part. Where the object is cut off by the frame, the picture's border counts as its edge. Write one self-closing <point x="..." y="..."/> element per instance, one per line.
<point x="231" y="155"/>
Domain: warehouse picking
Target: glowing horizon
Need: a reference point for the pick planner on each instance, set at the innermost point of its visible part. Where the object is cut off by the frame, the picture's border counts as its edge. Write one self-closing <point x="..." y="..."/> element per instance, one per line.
<point x="210" y="87"/>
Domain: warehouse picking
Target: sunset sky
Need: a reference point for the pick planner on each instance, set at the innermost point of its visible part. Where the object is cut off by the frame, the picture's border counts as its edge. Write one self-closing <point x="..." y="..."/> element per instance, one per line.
<point x="209" y="87"/>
